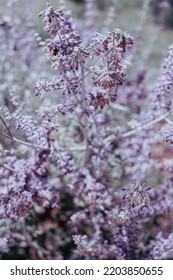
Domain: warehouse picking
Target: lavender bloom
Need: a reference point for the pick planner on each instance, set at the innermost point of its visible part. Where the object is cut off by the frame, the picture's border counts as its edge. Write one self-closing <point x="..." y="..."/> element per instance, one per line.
<point x="162" y="248"/>
<point x="79" y="140"/>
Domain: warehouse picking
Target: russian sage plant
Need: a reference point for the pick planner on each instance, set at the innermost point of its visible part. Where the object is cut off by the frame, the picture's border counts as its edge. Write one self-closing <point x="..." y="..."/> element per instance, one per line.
<point x="86" y="149"/>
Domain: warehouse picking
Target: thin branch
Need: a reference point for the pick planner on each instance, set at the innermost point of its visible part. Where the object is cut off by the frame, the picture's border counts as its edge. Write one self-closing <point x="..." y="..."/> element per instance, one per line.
<point x="77" y="148"/>
<point x="147" y="125"/>
<point x="29" y="144"/>
<point x="4" y="123"/>
<point x="169" y="121"/>
<point x="10" y="136"/>
<point x="119" y="107"/>
<point x="144" y="127"/>
<point x="98" y="62"/>
<point x="24" y="142"/>
<point x="7" y="167"/>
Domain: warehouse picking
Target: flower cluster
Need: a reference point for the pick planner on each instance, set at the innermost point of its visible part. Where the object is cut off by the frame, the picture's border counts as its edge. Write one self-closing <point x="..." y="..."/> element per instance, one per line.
<point x="74" y="60"/>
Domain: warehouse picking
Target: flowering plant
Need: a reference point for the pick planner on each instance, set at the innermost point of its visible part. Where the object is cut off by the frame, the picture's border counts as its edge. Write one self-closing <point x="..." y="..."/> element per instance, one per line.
<point x="67" y="152"/>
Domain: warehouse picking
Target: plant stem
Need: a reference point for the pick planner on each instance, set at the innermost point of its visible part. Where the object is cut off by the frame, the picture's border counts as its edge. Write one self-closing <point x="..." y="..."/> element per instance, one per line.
<point x="147" y="125"/>
<point x="4" y="123"/>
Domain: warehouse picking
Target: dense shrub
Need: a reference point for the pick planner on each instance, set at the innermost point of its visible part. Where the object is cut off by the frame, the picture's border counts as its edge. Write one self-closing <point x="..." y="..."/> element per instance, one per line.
<point x="85" y="161"/>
